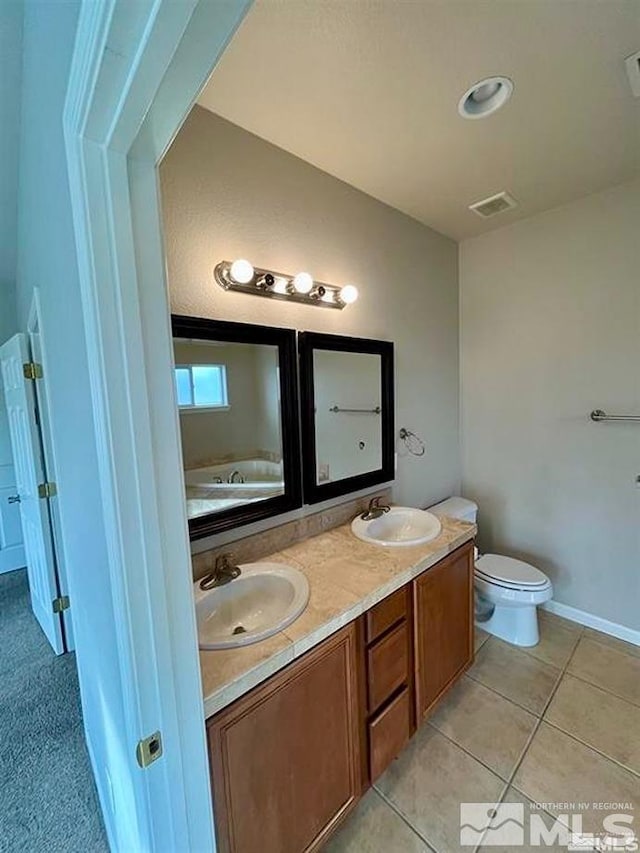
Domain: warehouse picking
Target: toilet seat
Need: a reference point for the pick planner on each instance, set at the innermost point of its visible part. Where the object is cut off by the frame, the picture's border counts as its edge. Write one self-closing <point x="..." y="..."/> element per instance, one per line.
<point x="510" y="573"/>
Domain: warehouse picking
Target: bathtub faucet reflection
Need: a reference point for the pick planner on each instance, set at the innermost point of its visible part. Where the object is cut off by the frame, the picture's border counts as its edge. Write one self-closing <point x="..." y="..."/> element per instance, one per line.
<point x="235" y="477"/>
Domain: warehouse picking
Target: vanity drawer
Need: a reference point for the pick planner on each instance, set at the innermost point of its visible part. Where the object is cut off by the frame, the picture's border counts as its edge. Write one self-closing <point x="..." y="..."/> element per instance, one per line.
<point x="385" y="614"/>
<point x="387" y="666"/>
<point x="389" y="732"/>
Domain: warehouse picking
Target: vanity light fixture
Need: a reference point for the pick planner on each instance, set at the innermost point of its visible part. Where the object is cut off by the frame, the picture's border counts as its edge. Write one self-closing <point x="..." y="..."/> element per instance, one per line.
<point x="302" y="282"/>
<point x="241" y="271"/>
<point x="243" y="277"/>
<point x="349" y="293"/>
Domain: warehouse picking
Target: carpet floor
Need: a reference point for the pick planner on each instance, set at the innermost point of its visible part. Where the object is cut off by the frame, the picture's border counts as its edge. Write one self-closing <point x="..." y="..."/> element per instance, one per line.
<point x="48" y="800"/>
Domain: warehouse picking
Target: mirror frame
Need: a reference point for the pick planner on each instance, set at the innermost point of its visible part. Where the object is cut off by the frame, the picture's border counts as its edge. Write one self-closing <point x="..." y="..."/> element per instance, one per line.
<point x="200" y="328"/>
<point x="307" y="343"/>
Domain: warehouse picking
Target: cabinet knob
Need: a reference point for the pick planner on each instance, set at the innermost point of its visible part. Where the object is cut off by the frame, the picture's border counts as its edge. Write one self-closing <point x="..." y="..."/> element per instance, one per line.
<point x="14" y="499"/>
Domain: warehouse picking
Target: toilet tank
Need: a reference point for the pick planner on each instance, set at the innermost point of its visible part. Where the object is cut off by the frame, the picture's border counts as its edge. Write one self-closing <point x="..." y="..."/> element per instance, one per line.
<point x="455" y="507"/>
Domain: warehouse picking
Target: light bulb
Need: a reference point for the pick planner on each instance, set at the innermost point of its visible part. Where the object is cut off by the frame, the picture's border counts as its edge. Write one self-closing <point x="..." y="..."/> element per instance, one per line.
<point x="485" y="91"/>
<point x="241" y="271"/>
<point x="349" y="294"/>
<point x="302" y="282"/>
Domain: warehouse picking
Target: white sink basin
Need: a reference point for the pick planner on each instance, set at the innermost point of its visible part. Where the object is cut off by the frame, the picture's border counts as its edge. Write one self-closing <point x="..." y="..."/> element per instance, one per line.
<point x="402" y="525"/>
<point x="263" y="600"/>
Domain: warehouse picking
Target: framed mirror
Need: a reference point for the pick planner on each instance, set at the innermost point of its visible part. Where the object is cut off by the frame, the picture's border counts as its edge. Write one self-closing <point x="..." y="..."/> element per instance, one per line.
<point x="346" y="388"/>
<point x="236" y="389"/>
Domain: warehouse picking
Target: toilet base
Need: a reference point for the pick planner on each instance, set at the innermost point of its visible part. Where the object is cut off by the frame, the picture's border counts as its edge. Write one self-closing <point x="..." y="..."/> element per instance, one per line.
<point x="517" y="625"/>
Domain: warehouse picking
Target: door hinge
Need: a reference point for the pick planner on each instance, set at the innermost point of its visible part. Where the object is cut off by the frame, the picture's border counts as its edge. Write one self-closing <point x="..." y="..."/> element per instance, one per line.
<point x="47" y="490"/>
<point x="61" y="603"/>
<point x="32" y="370"/>
<point x="149" y="749"/>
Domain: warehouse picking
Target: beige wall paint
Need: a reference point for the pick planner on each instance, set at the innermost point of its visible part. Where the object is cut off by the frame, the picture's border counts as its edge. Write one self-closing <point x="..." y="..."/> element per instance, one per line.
<point x="228" y="194"/>
<point x="550" y="312"/>
<point x="251" y="422"/>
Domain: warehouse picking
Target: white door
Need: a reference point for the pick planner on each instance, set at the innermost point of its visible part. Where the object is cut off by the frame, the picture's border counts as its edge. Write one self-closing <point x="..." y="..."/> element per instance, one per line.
<point x="29" y="472"/>
<point x="11" y="548"/>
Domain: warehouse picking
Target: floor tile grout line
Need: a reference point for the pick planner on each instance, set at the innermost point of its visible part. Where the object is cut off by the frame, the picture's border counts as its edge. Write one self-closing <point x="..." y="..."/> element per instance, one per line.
<point x="466" y="752"/>
<point x="609" y="645"/>
<point x="563" y="672"/>
<point x="592" y="748"/>
<point x="544" y="811"/>
<point x="404" y="818"/>
<point x="528" y="649"/>
<point x="486" y="829"/>
<point x="604" y="689"/>
<point x="508" y="782"/>
<point x="584" y="680"/>
<point x="502" y="695"/>
<point x="539" y="719"/>
<point x="504" y="782"/>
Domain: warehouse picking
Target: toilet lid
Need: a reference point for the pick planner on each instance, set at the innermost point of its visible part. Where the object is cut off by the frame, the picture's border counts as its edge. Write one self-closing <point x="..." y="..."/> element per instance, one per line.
<point x="507" y="570"/>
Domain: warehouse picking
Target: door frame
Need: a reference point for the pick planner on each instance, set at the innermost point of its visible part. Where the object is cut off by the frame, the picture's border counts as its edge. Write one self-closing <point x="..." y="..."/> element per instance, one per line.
<point x="136" y="71"/>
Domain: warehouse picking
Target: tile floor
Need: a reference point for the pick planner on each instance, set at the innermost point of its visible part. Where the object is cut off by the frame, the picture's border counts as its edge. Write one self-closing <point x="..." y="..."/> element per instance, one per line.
<point x="556" y="724"/>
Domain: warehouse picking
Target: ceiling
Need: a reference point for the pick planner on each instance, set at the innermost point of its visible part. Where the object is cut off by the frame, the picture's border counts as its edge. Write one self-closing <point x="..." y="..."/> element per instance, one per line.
<point x="367" y="90"/>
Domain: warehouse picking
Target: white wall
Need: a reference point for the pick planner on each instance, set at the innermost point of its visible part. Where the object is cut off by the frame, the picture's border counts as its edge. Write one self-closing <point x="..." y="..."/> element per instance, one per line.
<point x="228" y="194"/>
<point x="550" y="312"/>
<point x="11" y="12"/>
<point x="11" y="53"/>
<point x="46" y="259"/>
<point x="8" y="327"/>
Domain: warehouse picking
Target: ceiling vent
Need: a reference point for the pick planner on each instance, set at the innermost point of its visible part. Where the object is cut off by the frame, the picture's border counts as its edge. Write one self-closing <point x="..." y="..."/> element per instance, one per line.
<point x="632" y="64"/>
<point x="493" y="205"/>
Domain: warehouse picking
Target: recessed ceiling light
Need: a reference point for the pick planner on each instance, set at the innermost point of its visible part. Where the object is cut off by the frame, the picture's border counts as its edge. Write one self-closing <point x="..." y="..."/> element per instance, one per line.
<point x="485" y="97"/>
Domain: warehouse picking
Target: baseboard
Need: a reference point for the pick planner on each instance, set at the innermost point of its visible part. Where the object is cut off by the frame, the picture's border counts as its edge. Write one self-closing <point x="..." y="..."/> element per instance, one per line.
<point x="621" y="632"/>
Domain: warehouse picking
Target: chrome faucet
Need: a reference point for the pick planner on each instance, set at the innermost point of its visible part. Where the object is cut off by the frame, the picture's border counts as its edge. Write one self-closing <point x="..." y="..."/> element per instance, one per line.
<point x="375" y="509"/>
<point x="232" y="477"/>
<point x="224" y="572"/>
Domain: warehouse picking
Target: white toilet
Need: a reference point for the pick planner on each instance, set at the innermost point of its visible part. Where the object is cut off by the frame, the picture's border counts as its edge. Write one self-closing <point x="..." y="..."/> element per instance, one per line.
<point x="507" y="590"/>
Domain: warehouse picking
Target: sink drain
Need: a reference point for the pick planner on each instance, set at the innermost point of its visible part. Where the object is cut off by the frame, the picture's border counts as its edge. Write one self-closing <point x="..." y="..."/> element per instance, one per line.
<point x="239" y="629"/>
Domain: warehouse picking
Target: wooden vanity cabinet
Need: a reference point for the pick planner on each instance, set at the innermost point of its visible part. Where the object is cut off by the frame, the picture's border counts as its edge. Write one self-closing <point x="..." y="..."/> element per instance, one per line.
<point x="387" y="717"/>
<point x="443" y="627"/>
<point x="285" y="759"/>
<point x="291" y="758"/>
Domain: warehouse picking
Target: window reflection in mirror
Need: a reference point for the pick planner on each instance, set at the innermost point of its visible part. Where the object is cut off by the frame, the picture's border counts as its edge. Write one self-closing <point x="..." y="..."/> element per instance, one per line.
<point x="348" y="420"/>
<point x="229" y="403"/>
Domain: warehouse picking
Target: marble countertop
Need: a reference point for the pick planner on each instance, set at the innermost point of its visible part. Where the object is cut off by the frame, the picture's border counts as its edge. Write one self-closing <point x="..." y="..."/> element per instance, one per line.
<point x="346" y="578"/>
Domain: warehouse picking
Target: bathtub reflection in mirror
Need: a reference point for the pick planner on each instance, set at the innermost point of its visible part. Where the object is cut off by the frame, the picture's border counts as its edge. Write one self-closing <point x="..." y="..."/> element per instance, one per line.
<point x="229" y="396"/>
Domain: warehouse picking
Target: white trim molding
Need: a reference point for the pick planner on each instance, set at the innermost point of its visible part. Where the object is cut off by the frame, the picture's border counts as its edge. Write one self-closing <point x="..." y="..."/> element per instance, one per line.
<point x="136" y="70"/>
<point x="621" y="632"/>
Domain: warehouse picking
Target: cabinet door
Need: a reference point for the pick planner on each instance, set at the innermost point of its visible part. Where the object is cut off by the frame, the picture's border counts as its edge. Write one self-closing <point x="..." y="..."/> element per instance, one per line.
<point x="443" y="626"/>
<point x="285" y="759"/>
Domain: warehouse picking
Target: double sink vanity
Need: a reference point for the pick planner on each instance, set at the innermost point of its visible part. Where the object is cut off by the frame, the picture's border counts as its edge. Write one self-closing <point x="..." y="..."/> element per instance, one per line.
<point x="330" y="638"/>
<point x="302" y="722"/>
